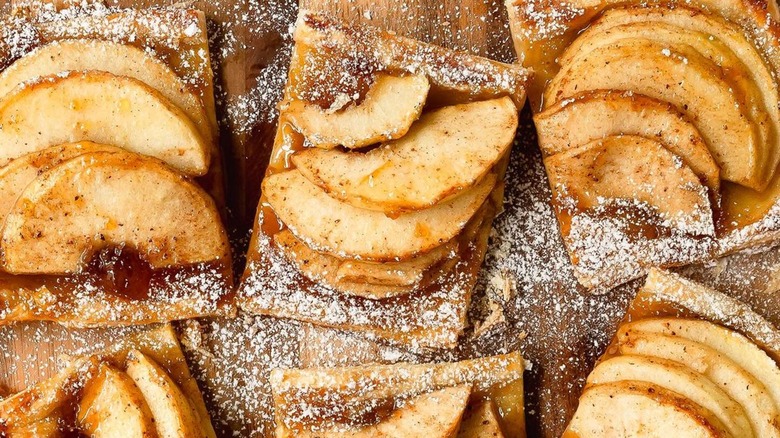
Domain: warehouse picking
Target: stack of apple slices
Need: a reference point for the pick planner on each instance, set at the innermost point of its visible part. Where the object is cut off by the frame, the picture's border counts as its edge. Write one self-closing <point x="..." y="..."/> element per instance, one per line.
<point x="376" y="223"/>
<point x="472" y="398"/>
<point x="668" y="374"/>
<point x="100" y="141"/>
<point x="143" y="389"/>
<point x="659" y="133"/>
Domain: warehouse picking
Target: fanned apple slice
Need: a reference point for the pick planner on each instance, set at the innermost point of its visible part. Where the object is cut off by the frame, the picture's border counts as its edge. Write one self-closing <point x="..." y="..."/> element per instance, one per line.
<point x="328" y="225"/>
<point x="639" y="409"/>
<point x="387" y="111"/>
<point x="729" y="343"/>
<point x="597" y="114"/>
<point x="111" y="406"/>
<point x="364" y="279"/>
<point x="116" y="58"/>
<point x="481" y="422"/>
<point x="636" y="169"/>
<point x="104" y="108"/>
<point x="173" y="413"/>
<point x="715" y="28"/>
<point x="688" y="81"/>
<point x="446" y="151"/>
<point x="103" y="198"/>
<point x="436" y="414"/>
<point x="680" y="379"/>
<point x="19" y="173"/>
<point x="741" y="386"/>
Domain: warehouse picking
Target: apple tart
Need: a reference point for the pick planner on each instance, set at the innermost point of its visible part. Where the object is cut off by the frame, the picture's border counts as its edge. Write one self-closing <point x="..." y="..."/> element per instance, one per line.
<point x="385" y="175"/>
<point x="472" y="398"/>
<point x="142" y="387"/>
<point x="659" y="124"/>
<point x="686" y="361"/>
<point x="110" y="184"/>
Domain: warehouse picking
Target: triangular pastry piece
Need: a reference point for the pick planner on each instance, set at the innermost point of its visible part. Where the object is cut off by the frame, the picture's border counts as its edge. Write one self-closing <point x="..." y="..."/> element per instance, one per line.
<point x="387" y="400"/>
<point x="708" y="358"/>
<point x="141" y="387"/>
<point x="384" y="179"/>
<point x="699" y="77"/>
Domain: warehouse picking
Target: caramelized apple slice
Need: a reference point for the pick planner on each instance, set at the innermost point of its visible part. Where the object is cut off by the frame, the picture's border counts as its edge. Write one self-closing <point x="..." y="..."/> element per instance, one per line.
<point x="19" y="173"/>
<point x="103" y="108"/>
<point x="688" y="81"/>
<point x="387" y="111"/>
<point x="118" y="59"/>
<point x="173" y="413"/>
<point x="445" y="152"/>
<point x="739" y="384"/>
<point x="729" y="343"/>
<point x="102" y="198"/>
<point x="481" y="422"/>
<point x="596" y="114"/>
<point x="112" y="405"/>
<point x="679" y="379"/>
<point x="329" y="225"/>
<point x="639" y="409"/>
<point x="632" y="169"/>
<point x="751" y="66"/>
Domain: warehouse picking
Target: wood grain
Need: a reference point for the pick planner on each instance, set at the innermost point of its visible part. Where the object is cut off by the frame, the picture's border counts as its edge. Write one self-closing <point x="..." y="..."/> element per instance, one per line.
<point x="560" y="330"/>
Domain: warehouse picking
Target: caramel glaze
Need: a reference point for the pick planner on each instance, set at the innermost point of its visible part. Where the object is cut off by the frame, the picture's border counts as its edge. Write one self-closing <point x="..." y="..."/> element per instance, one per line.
<point x="122" y="274"/>
<point x="740" y="206"/>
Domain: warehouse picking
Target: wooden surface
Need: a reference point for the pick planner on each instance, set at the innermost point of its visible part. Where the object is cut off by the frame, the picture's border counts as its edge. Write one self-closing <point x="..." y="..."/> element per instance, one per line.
<point x="560" y="330"/>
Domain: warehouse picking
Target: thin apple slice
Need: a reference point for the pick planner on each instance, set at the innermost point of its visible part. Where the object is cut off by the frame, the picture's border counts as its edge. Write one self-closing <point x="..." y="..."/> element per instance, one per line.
<point x="436" y="414"/>
<point x="331" y="226"/>
<point x="750" y="66"/>
<point x="597" y="114"/>
<point x="740" y="385"/>
<point x="49" y="427"/>
<point x="387" y="111"/>
<point x="104" y="108"/>
<point x="111" y="406"/>
<point x="679" y="379"/>
<point x="115" y="58"/>
<point x="728" y="342"/>
<point x="690" y="82"/>
<point x="445" y="152"/>
<point x="633" y="169"/>
<point x="374" y="281"/>
<point x="173" y="413"/>
<point x="481" y="422"/>
<point x="19" y="173"/>
<point x="103" y="198"/>
<point x="638" y="409"/>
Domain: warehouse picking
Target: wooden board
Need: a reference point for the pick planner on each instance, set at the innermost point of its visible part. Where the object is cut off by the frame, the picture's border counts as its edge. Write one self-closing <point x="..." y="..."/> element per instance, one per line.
<point x="559" y="329"/>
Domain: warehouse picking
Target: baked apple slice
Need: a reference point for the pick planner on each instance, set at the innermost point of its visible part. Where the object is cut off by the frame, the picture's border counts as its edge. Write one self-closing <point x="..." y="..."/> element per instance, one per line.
<point x="111" y="406"/>
<point x="173" y="413"/>
<point x="329" y="225"/>
<point x="104" y="108"/>
<point x="739" y="384"/>
<point x="481" y="422"/>
<point x="679" y="379"/>
<point x="687" y="80"/>
<point x="717" y="29"/>
<point x="729" y="343"/>
<point x="101" y="199"/>
<point x="436" y="414"/>
<point x="19" y="173"/>
<point x="632" y="169"/>
<point x="639" y="409"/>
<point x="388" y="109"/>
<point x="446" y="151"/>
<point x="597" y="114"/>
<point x="115" y="58"/>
